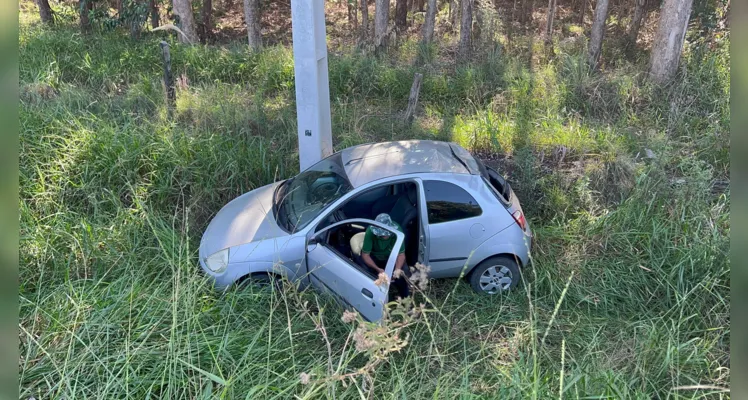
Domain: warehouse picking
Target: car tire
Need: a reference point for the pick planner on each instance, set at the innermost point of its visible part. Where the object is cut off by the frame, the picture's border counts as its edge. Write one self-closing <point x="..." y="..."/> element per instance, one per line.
<point x="494" y="275"/>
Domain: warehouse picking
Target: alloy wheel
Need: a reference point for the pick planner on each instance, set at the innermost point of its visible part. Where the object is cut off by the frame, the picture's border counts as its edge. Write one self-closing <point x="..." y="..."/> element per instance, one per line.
<point x="495" y="279"/>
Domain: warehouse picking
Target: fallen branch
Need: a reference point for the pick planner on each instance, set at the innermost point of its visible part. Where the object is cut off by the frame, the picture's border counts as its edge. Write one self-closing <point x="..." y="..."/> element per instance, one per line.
<point x="172" y="27"/>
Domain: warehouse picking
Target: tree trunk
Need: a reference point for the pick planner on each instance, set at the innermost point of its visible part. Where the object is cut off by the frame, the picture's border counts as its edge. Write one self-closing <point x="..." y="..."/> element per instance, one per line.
<point x="252" y="20"/>
<point x="636" y="21"/>
<point x="549" y="20"/>
<point x="155" y="18"/>
<point x="597" y="33"/>
<point x="401" y="15"/>
<point x="509" y="23"/>
<point x="582" y="12"/>
<point x="183" y="9"/>
<point x="352" y="14"/>
<point x="171" y="95"/>
<point x="454" y="14"/>
<point x="428" y="24"/>
<point x="415" y="89"/>
<point x="45" y="12"/>
<point x="477" y="24"/>
<point x="206" y="25"/>
<point x="381" y="20"/>
<point x="364" y="20"/>
<point x="135" y="20"/>
<point x="85" y="7"/>
<point x="466" y="28"/>
<point x="668" y="40"/>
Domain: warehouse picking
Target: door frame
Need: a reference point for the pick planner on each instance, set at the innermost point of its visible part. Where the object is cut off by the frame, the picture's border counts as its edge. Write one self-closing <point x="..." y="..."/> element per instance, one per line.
<point x="423" y="222"/>
<point x="312" y="240"/>
<point x="421" y="206"/>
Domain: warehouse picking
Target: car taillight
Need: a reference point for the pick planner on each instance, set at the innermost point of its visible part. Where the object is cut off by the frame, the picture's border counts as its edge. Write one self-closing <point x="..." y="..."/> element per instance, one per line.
<point x="520" y="218"/>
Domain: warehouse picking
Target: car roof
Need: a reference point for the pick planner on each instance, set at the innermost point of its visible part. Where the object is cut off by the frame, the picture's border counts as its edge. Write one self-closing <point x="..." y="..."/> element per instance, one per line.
<point x="373" y="161"/>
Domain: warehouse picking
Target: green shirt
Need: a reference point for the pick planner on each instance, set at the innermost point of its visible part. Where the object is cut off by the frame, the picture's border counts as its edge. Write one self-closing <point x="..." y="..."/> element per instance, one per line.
<point x="379" y="248"/>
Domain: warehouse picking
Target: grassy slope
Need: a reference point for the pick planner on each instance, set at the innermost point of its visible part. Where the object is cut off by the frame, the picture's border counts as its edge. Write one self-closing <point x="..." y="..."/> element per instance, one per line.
<point x="114" y="198"/>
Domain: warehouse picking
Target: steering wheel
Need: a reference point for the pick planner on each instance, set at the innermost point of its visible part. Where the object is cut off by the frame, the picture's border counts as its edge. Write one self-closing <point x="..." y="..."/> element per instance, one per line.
<point x="324" y="190"/>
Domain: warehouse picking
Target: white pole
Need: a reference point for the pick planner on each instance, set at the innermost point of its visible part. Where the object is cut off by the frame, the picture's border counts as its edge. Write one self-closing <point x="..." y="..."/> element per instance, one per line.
<point x="312" y="84"/>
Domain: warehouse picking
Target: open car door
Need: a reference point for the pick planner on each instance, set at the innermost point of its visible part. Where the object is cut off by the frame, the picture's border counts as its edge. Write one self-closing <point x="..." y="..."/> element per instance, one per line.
<point x="335" y="272"/>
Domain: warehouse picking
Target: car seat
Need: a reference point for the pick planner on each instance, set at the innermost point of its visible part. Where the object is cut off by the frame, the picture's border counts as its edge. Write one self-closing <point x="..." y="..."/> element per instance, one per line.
<point x="357" y="243"/>
<point x="405" y="213"/>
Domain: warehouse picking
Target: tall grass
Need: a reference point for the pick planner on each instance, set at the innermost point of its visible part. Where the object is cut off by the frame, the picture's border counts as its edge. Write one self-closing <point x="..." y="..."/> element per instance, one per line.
<point x="627" y="296"/>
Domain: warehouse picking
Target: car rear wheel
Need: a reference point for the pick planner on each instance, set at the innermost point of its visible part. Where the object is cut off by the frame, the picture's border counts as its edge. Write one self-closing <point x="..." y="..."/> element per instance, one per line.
<point x="495" y="275"/>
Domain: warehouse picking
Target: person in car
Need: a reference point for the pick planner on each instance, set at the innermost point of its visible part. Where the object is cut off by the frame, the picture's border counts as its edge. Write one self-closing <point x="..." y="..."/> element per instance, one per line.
<point x="377" y="247"/>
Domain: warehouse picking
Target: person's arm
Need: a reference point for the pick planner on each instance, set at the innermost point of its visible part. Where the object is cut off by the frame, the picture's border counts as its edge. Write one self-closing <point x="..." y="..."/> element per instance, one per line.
<point x="366" y="250"/>
<point x="370" y="262"/>
<point x="400" y="261"/>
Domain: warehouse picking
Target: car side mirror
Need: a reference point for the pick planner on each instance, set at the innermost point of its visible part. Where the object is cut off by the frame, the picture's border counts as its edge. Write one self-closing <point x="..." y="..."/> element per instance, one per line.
<point x="311" y="244"/>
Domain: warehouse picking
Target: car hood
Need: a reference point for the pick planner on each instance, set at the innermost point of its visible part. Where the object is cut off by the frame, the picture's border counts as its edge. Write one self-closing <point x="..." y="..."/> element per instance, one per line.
<point x="245" y="219"/>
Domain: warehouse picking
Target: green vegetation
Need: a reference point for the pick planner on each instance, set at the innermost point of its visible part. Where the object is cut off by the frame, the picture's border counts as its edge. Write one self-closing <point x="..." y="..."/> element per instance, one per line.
<point x="628" y="295"/>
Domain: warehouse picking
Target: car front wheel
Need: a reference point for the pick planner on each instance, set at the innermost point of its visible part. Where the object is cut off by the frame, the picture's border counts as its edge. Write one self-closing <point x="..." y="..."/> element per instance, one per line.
<point x="495" y="275"/>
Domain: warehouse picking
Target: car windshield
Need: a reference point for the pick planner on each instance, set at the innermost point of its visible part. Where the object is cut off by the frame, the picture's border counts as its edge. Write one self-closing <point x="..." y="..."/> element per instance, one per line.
<point x="302" y="198"/>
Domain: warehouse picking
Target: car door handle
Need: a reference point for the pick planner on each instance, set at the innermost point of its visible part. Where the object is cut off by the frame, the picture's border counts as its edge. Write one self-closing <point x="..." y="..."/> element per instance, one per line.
<point x="367" y="293"/>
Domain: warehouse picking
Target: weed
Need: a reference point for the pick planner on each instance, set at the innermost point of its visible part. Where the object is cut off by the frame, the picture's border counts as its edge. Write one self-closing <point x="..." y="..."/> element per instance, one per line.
<point x="628" y="294"/>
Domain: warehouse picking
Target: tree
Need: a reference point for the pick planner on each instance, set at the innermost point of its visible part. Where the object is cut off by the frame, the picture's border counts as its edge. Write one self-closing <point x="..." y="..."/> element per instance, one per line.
<point x="45" y="12"/>
<point x="597" y="33"/>
<point x="381" y="20"/>
<point x="252" y="20"/>
<point x="206" y="25"/>
<point x="183" y="10"/>
<point x="549" y="19"/>
<point x="85" y="7"/>
<point x="134" y="14"/>
<point x="364" y="20"/>
<point x="155" y="19"/>
<point x="401" y="15"/>
<point x="636" y="21"/>
<point x="454" y="13"/>
<point x="352" y="14"/>
<point x="668" y="39"/>
<point x="428" y="25"/>
<point x="120" y="7"/>
<point x="466" y="27"/>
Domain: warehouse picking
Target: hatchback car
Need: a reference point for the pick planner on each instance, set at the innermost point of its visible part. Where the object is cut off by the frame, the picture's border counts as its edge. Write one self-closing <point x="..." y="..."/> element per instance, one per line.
<point x="457" y="216"/>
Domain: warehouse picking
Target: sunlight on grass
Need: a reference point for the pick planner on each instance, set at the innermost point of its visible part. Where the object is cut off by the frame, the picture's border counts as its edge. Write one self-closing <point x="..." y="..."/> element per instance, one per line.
<point x="627" y="296"/>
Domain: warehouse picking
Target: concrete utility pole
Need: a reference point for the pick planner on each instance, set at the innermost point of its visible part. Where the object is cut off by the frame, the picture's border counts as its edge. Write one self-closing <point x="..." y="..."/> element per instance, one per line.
<point x="312" y="84"/>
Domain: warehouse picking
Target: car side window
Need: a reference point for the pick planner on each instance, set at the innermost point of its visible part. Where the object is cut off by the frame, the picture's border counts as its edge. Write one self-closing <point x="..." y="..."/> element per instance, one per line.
<point x="448" y="202"/>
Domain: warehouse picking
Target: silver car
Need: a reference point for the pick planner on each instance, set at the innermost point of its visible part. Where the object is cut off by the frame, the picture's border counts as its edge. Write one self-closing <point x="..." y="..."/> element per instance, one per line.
<point x="457" y="216"/>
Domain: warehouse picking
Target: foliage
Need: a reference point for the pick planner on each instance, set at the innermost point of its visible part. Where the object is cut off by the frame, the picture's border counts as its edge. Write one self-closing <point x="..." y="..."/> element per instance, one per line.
<point x="628" y="295"/>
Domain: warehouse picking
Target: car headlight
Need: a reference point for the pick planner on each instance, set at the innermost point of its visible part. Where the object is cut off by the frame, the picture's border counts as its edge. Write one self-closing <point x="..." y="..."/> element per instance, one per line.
<point x="218" y="261"/>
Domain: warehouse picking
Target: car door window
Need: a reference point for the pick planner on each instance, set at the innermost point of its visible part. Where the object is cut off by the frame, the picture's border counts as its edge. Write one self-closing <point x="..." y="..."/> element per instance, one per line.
<point x="448" y="202"/>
